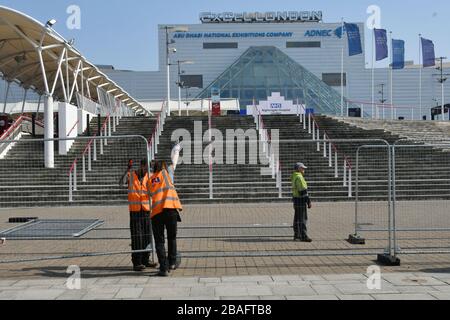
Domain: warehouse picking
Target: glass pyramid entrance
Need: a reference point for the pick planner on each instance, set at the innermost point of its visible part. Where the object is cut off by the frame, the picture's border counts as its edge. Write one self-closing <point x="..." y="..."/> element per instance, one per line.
<point x="263" y="70"/>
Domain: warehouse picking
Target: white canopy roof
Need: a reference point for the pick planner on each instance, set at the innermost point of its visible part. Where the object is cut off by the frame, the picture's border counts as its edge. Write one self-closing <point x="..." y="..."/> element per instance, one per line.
<point x="38" y="58"/>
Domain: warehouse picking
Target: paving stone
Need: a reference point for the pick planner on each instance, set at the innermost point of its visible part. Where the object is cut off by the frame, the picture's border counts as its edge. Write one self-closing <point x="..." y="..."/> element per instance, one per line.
<point x="442" y="288"/>
<point x="242" y="298"/>
<point x="230" y="291"/>
<point x="7" y="283"/>
<point x="210" y="280"/>
<point x="202" y="291"/>
<point x="299" y="283"/>
<point x="246" y="279"/>
<point x="36" y="294"/>
<point x="39" y="282"/>
<point x="358" y="297"/>
<point x="441" y="295"/>
<point x="259" y="291"/>
<point x="340" y="277"/>
<point x="406" y="296"/>
<point x="412" y="280"/>
<point x="140" y="280"/>
<point x="362" y="289"/>
<point x="272" y="298"/>
<point x="9" y="294"/>
<point x="293" y="291"/>
<point x="316" y="297"/>
<point x="415" y="289"/>
<point x="72" y="295"/>
<point x="312" y="278"/>
<point x="325" y="289"/>
<point x="165" y="292"/>
<point x="98" y="296"/>
<point x="286" y="277"/>
<point x="129" y="293"/>
<point x="274" y="284"/>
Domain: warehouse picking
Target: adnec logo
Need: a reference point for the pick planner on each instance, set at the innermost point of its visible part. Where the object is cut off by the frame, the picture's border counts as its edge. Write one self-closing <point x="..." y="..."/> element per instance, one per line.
<point x="325" y="33"/>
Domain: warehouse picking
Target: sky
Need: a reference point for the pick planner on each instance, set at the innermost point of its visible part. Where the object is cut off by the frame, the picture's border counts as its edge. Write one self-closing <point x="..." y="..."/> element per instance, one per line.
<point x="123" y="33"/>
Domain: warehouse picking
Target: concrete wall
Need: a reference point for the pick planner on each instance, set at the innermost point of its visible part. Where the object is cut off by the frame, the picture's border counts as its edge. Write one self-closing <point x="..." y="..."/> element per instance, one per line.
<point x="211" y="63"/>
<point x="82" y="120"/>
<point x="68" y="126"/>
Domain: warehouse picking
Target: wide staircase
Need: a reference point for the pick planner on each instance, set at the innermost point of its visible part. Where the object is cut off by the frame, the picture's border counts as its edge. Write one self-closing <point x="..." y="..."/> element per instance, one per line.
<point x="24" y="182"/>
<point x="232" y="182"/>
<point x="425" y="174"/>
<point x="430" y="132"/>
<point x="422" y="171"/>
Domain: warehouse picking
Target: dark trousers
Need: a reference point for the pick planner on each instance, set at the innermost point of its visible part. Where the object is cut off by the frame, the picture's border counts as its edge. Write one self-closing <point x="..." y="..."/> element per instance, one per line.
<point x="141" y="237"/>
<point x="168" y="220"/>
<point x="300" y="218"/>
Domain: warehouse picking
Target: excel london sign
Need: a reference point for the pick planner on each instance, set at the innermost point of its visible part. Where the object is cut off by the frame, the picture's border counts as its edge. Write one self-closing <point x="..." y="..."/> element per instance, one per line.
<point x="261" y="17"/>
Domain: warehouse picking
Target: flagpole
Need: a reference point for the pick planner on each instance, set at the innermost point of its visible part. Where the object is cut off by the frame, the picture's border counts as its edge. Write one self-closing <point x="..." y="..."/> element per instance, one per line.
<point x="373" y="72"/>
<point x="391" y="76"/>
<point x="420" y="75"/>
<point x="342" y="70"/>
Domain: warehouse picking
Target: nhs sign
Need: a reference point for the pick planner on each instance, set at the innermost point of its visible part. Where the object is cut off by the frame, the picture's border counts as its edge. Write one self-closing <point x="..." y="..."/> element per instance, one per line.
<point x="276" y="106"/>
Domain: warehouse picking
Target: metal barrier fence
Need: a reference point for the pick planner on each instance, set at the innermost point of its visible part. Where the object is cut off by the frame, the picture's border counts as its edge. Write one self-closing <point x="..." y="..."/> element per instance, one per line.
<point x="368" y="189"/>
<point x="44" y="213"/>
<point x="421" y="182"/>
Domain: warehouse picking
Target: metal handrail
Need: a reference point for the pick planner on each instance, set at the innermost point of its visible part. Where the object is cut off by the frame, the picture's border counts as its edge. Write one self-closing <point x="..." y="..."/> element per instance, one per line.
<point x="76" y="123"/>
<point x="17" y="125"/>
<point x="346" y="158"/>
<point x="89" y="144"/>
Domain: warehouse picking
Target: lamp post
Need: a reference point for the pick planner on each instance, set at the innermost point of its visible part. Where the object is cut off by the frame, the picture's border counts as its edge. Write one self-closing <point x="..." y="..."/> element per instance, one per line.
<point x="179" y="83"/>
<point x="382" y="100"/>
<point x="168" y="51"/>
<point x="441" y="80"/>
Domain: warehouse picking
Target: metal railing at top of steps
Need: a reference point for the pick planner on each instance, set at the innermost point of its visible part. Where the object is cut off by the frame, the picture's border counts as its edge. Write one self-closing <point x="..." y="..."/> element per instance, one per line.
<point x="327" y="151"/>
<point x="153" y="141"/>
<point x="268" y="148"/>
<point x="17" y="124"/>
<point x="14" y="132"/>
<point x="91" y="155"/>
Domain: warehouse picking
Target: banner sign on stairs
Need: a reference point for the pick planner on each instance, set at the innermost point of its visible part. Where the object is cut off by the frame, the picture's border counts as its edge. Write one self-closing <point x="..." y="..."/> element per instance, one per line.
<point x="276" y="105"/>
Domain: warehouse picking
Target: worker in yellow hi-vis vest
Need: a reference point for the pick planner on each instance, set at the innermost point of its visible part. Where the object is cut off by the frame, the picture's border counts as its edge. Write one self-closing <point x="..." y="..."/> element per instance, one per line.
<point x="302" y="203"/>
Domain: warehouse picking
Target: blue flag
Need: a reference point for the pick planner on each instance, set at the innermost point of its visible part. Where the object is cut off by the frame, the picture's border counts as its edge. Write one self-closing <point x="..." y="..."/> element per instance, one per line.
<point x="381" y="44"/>
<point x="429" y="59"/>
<point x="398" y="54"/>
<point x="354" y="39"/>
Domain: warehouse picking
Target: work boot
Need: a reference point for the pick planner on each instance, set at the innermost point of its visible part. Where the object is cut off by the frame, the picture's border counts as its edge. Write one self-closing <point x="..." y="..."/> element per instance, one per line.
<point x="151" y="265"/>
<point x="162" y="273"/>
<point x="139" y="268"/>
<point x="306" y="239"/>
<point x="175" y="265"/>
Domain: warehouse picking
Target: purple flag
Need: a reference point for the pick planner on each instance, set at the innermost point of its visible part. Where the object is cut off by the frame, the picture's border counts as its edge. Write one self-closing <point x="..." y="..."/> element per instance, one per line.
<point x="381" y="44"/>
<point x="428" y="56"/>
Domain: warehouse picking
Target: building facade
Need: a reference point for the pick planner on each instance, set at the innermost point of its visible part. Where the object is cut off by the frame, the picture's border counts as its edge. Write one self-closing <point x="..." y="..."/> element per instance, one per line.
<point x="220" y="41"/>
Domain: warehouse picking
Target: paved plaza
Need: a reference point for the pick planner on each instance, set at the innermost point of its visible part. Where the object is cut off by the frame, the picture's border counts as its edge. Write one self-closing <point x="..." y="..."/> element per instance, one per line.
<point x="236" y="252"/>
<point x="396" y="286"/>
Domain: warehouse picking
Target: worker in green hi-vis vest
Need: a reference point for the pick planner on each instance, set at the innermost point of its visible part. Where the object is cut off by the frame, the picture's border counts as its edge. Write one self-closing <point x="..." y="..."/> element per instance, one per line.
<point x="302" y="203"/>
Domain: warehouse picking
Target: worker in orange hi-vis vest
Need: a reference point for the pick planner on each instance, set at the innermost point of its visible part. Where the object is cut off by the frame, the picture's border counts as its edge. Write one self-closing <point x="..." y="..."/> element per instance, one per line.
<point x="165" y="212"/>
<point x="139" y="216"/>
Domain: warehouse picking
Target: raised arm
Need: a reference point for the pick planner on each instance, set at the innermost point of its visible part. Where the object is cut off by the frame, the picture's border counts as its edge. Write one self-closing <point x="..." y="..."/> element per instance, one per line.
<point x="175" y="155"/>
